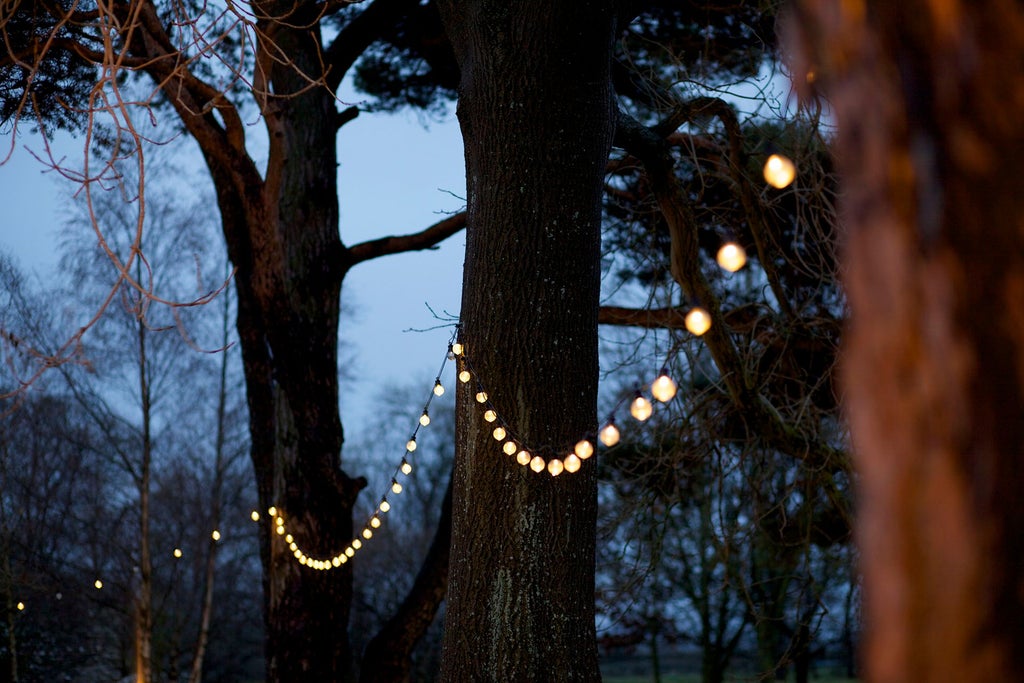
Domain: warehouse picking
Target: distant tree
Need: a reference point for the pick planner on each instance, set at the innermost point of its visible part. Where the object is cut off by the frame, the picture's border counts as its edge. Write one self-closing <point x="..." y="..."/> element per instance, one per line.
<point x="929" y="145"/>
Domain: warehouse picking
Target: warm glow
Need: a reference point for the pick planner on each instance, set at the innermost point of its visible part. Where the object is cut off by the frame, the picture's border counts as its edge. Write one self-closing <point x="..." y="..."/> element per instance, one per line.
<point x="385" y="506"/>
<point x="177" y="552"/>
<point x="289" y="538"/>
<point x="438" y="388"/>
<point x="411" y="445"/>
<point x="523" y="458"/>
<point x="375" y="522"/>
<point x="215" y="535"/>
<point x="280" y="531"/>
<point x="255" y="516"/>
<point x="555" y="467"/>
<point x="457" y="349"/>
<point x="293" y="546"/>
<point x="610" y="435"/>
<point x="481" y="397"/>
<point x="357" y="544"/>
<point x="272" y="512"/>
<point x="350" y="551"/>
<point x="98" y="584"/>
<point x="584" y="449"/>
<point x="406" y="467"/>
<point x="490" y="416"/>
<point x="21" y="606"/>
<point x="779" y="171"/>
<point x="396" y="487"/>
<point x="572" y="463"/>
<point x="641" y="408"/>
<point x="498" y="433"/>
<point x="336" y="561"/>
<point x="509" y="447"/>
<point x="367" y="534"/>
<point x="663" y="388"/>
<point x="731" y="257"/>
<point x="465" y="376"/>
<point x="698" y="321"/>
<point x="537" y="464"/>
<point x="424" y="419"/>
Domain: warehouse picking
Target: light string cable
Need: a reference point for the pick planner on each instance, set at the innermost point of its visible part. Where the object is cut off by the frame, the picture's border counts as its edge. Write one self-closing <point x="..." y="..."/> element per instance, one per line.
<point x="376" y="520"/>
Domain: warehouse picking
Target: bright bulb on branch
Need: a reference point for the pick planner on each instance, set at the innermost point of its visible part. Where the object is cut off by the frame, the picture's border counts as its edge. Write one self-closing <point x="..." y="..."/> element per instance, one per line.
<point x="177" y="552"/>
<point x="481" y="397"/>
<point x="779" y="171"/>
<point x="663" y="388"/>
<point x="375" y="522"/>
<point x="367" y="534"/>
<point x="555" y="467"/>
<point x="396" y="487"/>
<point x="465" y="376"/>
<point x="641" y="408"/>
<point x="356" y="544"/>
<point x="523" y="458"/>
<point x="572" y="463"/>
<point x="584" y="449"/>
<point x="272" y="511"/>
<point x="498" y="433"/>
<point x="457" y="349"/>
<point x="610" y="435"/>
<point x="255" y="516"/>
<point x="438" y="388"/>
<point x="406" y="467"/>
<point x="509" y="447"/>
<point x="98" y="584"/>
<point x="385" y="506"/>
<point x="698" y="321"/>
<point x="731" y="257"/>
<point x="411" y="445"/>
<point x="424" y="419"/>
<point x="537" y="464"/>
<point x="215" y="535"/>
<point x="21" y="606"/>
<point x="490" y="416"/>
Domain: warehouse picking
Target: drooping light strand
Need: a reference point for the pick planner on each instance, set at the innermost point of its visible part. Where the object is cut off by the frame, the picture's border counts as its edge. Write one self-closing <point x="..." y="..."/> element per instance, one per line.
<point x="731" y="256"/>
<point x="698" y="321"/>
<point x="664" y="387"/>
<point x="640" y="408"/>
<point x="779" y="171"/>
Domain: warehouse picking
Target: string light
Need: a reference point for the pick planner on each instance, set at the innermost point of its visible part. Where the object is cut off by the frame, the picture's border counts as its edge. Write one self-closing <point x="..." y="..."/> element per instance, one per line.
<point x="698" y="321"/>
<point x="779" y="171"/>
<point x="523" y="458"/>
<point x="537" y="464"/>
<point x="731" y="256"/>
<point x="396" y="488"/>
<point x="411" y="445"/>
<point x="609" y="434"/>
<point x="498" y="433"/>
<point x="406" y="468"/>
<point x="438" y="387"/>
<point x="555" y="467"/>
<point x="215" y="535"/>
<point x="98" y="584"/>
<point x="21" y="607"/>
<point x="424" y="419"/>
<point x="177" y="552"/>
<point x="572" y="463"/>
<point x="663" y="388"/>
<point x="457" y="349"/>
<point x="584" y="449"/>
<point x="481" y="397"/>
<point x="255" y="516"/>
<point x="272" y="511"/>
<point x="509" y="447"/>
<point x="384" y="505"/>
<point x="490" y="415"/>
<point x="465" y="376"/>
<point x="640" y="408"/>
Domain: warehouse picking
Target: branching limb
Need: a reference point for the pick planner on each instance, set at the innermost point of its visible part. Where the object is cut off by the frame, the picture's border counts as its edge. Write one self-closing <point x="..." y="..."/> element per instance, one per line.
<point x="426" y="239"/>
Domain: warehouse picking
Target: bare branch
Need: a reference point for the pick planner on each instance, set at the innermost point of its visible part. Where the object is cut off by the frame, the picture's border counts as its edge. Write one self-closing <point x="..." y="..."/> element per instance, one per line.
<point x="436" y="233"/>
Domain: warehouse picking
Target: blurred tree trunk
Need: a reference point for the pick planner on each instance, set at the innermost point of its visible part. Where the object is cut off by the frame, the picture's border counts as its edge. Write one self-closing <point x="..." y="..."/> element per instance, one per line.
<point x="535" y="109"/>
<point x="927" y="97"/>
<point x="144" y="598"/>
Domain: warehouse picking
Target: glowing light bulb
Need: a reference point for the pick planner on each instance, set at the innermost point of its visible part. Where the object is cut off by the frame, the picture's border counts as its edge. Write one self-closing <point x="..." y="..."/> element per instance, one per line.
<point x="289" y="538"/>
<point x="297" y="553"/>
<point x="215" y="535"/>
<point x="610" y="435"/>
<point x="509" y="447"/>
<point x="272" y="512"/>
<point x="396" y="487"/>
<point x="481" y="397"/>
<point x="411" y="445"/>
<point x="367" y="534"/>
<point x="356" y="544"/>
<point x="555" y="467"/>
<point x="490" y="415"/>
<point x="498" y="433"/>
<point x="465" y="376"/>
<point x="350" y="551"/>
<point x="698" y="321"/>
<point x="537" y="464"/>
<point x="457" y="349"/>
<point x="641" y="408"/>
<point x="280" y="531"/>
<point x="779" y="171"/>
<point x="523" y="458"/>
<point x="293" y="546"/>
<point x="572" y="463"/>
<point x="663" y="388"/>
<point x="438" y="388"/>
<point x="336" y="561"/>
<point x="177" y="552"/>
<point x="424" y="419"/>
<point x="584" y="449"/>
<point x="406" y="467"/>
<point x="375" y="522"/>
<point x="98" y="584"/>
<point x="385" y="506"/>
<point x="279" y="521"/>
<point x="21" y="606"/>
<point x="255" y="516"/>
<point x="343" y="558"/>
<point x="731" y="257"/>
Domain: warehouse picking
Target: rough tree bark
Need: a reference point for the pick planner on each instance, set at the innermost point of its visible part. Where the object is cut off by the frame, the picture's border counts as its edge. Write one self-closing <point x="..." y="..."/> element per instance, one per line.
<point x="536" y="113"/>
<point x="927" y="97"/>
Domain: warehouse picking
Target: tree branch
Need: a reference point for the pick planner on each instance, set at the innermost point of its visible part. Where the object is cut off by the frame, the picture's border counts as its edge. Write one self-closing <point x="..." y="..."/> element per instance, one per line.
<point x="364" y="29"/>
<point x="430" y="237"/>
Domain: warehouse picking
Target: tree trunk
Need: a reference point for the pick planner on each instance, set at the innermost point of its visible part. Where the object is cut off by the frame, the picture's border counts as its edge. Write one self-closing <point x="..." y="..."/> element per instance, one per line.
<point x="536" y="115"/>
<point x="144" y="599"/>
<point x="928" y="105"/>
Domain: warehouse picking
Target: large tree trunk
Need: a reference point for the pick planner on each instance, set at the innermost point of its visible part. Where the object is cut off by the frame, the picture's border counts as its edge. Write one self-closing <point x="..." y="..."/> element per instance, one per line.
<point x="536" y="114"/>
<point x="927" y="97"/>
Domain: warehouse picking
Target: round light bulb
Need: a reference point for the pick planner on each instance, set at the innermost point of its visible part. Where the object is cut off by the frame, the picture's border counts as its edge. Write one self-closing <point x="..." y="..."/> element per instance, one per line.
<point x="555" y="467"/>
<point x="396" y="487"/>
<point x="509" y="447"/>
<point x="698" y="321"/>
<point x="490" y="415"/>
<point x="289" y="538"/>
<point x="779" y="171"/>
<point x="610" y="435"/>
<point x="375" y="522"/>
<point x="424" y="419"/>
<point x="663" y="388"/>
<point x="731" y="257"/>
<point x="438" y="388"/>
<point x="406" y="468"/>
<point x="98" y="584"/>
<point x="523" y="458"/>
<point x="21" y="606"/>
<point x="481" y="397"/>
<point x="255" y="516"/>
<point x="367" y="534"/>
<point x="584" y="449"/>
<point x="336" y="561"/>
<point x="465" y="376"/>
<point x="215" y="535"/>
<point x="537" y="464"/>
<point x="411" y="445"/>
<point x="177" y="552"/>
<point x="293" y="546"/>
<point x="498" y="433"/>
<point x="356" y="544"/>
<point x="457" y="349"/>
<point x="343" y="559"/>
<point x="279" y="521"/>
<point x="280" y="531"/>
<point x="641" y="408"/>
<point x="385" y="506"/>
<point x="272" y="512"/>
<point x="350" y="551"/>
<point x="572" y="463"/>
